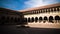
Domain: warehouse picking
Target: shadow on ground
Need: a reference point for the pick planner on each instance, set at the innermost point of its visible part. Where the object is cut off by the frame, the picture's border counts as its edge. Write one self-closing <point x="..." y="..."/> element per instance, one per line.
<point x="13" y="29"/>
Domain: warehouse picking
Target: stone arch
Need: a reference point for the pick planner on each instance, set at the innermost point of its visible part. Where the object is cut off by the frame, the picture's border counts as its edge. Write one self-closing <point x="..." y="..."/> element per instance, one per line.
<point x="36" y="19"/>
<point x="8" y="19"/>
<point x="11" y="19"/>
<point x="3" y="17"/>
<point x="45" y="19"/>
<point x="40" y="19"/>
<point x="15" y="19"/>
<point x="18" y="19"/>
<point x="2" y="20"/>
<point x="51" y="19"/>
<point x="57" y="18"/>
<point x="29" y="19"/>
<point x="25" y="20"/>
<point x="32" y="19"/>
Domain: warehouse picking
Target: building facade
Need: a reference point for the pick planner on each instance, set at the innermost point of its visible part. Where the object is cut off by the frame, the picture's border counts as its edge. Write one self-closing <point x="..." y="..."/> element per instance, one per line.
<point x="44" y="16"/>
<point x="40" y="17"/>
<point x="10" y="17"/>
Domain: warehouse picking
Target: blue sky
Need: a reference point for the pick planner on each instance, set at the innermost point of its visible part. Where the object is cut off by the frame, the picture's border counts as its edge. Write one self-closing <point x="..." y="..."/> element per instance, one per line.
<point x="24" y="4"/>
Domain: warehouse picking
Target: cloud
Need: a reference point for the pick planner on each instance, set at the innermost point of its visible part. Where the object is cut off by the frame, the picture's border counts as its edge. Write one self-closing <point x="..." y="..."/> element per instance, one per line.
<point x="34" y="3"/>
<point x="37" y="3"/>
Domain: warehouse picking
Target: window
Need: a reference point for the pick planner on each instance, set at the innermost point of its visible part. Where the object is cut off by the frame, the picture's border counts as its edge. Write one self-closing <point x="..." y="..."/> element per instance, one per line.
<point x="54" y="9"/>
<point x="42" y="10"/>
<point x="51" y="9"/>
<point x="57" y="8"/>
<point x="46" y="10"/>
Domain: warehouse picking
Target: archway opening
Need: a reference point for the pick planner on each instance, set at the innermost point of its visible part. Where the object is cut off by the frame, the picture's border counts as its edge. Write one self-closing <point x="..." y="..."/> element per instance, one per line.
<point x="45" y="19"/>
<point x="40" y="19"/>
<point x="57" y="18"/>
<point x="29" y="20"/>
<point x="32" y="19"/>
<point x="51" y="19"/>
<point x="36" y="19"/>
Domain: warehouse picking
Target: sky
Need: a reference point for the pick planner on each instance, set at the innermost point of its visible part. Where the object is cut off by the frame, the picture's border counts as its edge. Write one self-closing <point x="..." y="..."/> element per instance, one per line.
<point x="25" y="4"/>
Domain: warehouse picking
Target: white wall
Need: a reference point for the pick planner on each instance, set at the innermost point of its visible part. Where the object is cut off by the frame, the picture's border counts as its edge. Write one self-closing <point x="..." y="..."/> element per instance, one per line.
<point x="44" y="25"/>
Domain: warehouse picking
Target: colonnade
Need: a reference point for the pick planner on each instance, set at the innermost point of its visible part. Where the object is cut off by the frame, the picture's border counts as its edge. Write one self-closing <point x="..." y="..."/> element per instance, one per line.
<point x="55" y="19"/>
<point x="10" y="20"/>
<point x="51" y="14"/>
<point x="44" y="10"/>
<point x="47" y="10"/>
